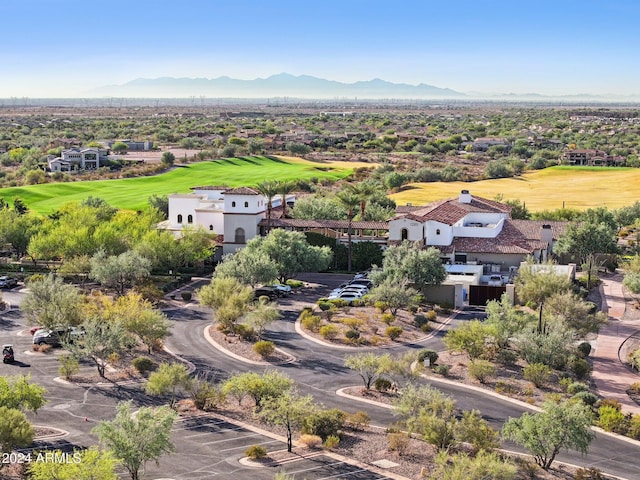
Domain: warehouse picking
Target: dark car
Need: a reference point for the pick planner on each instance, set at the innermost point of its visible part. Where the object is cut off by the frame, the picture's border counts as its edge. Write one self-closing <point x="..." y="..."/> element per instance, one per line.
<point x="8" y="282"/>
<point x="57" y="336"/>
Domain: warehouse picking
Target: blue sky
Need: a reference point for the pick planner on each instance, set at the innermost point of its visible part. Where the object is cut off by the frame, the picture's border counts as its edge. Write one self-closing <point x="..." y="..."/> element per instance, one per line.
<point x="68" y="47"/>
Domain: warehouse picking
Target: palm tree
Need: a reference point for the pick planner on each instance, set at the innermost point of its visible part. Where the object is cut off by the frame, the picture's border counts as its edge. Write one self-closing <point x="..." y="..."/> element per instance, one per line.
<point x="285" y="187"/>
<point x="364" y="191"/>
<point x="350" y="201"/>
<point x="268" y="189"/>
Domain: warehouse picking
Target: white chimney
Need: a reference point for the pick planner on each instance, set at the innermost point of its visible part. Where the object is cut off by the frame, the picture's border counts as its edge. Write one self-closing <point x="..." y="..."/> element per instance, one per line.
<point x="465" y="196"/>
<point x="546" y="234"/>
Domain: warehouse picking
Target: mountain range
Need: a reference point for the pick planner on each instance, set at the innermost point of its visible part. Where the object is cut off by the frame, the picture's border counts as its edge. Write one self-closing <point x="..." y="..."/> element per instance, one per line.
<point x="309" y="87"/>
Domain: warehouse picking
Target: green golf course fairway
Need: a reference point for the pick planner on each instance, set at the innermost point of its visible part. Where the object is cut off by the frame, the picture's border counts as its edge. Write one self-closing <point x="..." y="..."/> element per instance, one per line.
<point x="132" y="193"/>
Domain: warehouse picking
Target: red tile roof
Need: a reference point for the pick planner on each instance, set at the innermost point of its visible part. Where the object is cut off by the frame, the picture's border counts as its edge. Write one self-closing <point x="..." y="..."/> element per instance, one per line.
<point x="452" y="210"/>
<point x="297" y="223"/>
<point x="241" y="191"/>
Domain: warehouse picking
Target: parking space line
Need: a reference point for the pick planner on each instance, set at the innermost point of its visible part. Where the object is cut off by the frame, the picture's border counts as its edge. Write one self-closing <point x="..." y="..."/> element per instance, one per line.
<point x="346" y="474"/>
<point x="232" y="439"/>
<point x="315" y="468"/>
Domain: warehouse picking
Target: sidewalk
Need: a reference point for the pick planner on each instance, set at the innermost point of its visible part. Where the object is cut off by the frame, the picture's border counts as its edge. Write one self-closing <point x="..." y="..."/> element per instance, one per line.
<point x="611" y="376"/>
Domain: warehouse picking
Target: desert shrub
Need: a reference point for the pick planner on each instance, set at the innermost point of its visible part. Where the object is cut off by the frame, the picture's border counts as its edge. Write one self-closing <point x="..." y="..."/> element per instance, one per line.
<point x="311" y="322"/>
<point x="353" y="323"/>
<point x="590" y="473"/>
<point x="432" y="315"/>
<point x="358" y="302"/>
<point x="328" y="331"/>
<point x="113" y="358"/>
<point x="565" y="382"/>
<point x="587" y="398"/>
<point x="324" y="306"/>
<point x="635" y="387"/>
<point x="585" y="349"/>
<point x="580" y="367"/>
<point x="611" y="419"/>
<point x="388" y="318"/>
<point x="331" y="442"/>
<point x="295" y="283"/>
<point x="506" y="356"/>
<point x="45" y="348"/>
<point x="186" y="296"/>
<point x="576" y="387"/>
<point x="324" y="423"/>
<point x="475" y="430"/>
<point x="442" y="370"/>
<point x="264" y="348"/>
<point x="256" y="452"/>
<point x="352" y="335"/>
<point x="358" y="420"/>
<point x="537" y="373"/>
<point x="420" y="320"/>
<point x="310" y="441"/>
<point x="398" y="442"/>
<point x="393" y="332"/>
<point x="382" y="384"/>
<point x="634" y="427"/>
<point x="143" y="364"/>
<point x="205" y="395"/>
<point x="425" y="354"/>
<point x="482" y="466"/>
<point x="481" y="370"/>
<point x="69" y="366"/>
<point x="338" y="302"/>
<point x="381" y="306"/>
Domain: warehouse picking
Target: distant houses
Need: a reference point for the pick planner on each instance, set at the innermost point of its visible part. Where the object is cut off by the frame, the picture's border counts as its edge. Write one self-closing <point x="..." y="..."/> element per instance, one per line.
<point x="593" y="158"/>
<point x="75" y="159"/>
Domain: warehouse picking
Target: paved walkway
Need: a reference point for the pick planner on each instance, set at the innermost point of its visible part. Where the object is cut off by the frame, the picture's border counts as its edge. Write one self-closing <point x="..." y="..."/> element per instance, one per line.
<point x="611" y="376"/>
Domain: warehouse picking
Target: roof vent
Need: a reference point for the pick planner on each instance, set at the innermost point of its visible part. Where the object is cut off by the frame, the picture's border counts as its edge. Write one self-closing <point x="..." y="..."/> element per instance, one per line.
<point x="465" y="196"/>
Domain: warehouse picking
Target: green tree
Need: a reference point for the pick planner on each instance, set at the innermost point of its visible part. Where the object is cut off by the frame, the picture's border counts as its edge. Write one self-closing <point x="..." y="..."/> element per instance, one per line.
<point x="483" y="466"/>
<point x="228" y="298"/>
<point x="168" y="379"/>
<point x="160" y="203"/>
<point x="315" y="207"/>
<point x="365" y="255"/>
<point x="291" y="253"/>
<point x="262" y="315"/>
<point x="15" y="430"/>
<point x="119" y="147"/>
<point x="396" y="295"/>
<point x="168" y="158"/>
<point x="150" y="326"/>
<point x="536" y="283"/>
<point x="368" y="365"/>
<point x="90" y="464"/>
<point x="564" y="425"/>
<point x="135" y="438"/>
<point x="288" y="410"/>
<point x="17" y="392"/>
<point x="506" y="320"/>
<point x="101" y="340"/>
<point x="51" y="303"/>
<point x="409" y="261"/>
<point x="285" y="187"/>
<point x="475" y="430"/>
<point x="250" y="267"/>
<point x="471" y="337"/>
<point x="119" y="272"/>
<point x="413" y="400"/>
<point x="259" y="387"/>
<point x="350" y="202"/>
<point x="268" y="189"/>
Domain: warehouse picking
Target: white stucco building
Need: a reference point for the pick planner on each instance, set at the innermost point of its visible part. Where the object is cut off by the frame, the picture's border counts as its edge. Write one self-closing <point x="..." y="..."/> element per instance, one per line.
<point x="77" y="159"/>
<point x="233" y="214"/>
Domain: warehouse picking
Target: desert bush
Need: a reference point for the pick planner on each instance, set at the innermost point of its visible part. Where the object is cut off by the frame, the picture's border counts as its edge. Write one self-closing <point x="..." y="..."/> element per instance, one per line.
<point x="635" y="387"/>
<point x="381" y="306"/>
<point x="331" y="442"/>
<point x="420" y="320"/>
<point x="388" y="318"/>
<point x="324" y="423"/>
<point x="564" y="383"/>
<point x="442" y="370"/>
<point x="611" y="419"/>
<point x="398" y="442"/>
<point x="475" y="430"/>
<point x="328" y="331"/>
<point x="295" y="283"/>
<point x="352" y="335"/>
<point x="425" y="354"/>
<point x="358" y="420"/>
<point x="506" y="356"/>
<point x="537" y="373"/>
<point x="634" y="427"/>
<point x="587" y="398"/>
<point x="584" y="348"/>
<point x="186" y="296"/>
<point x="576" y="387"/>
<point x="393" y="332"/>
<point x="143" y="365"/>
<point x="310" y="441"/>
<point x="205" y="395"/>
<point x="580" y="367"/>
<point x="324" y="306"/>
<point x="256" y="452"/>
<point x="358" y="302"/>
<point x="45" y="348"/>
<point x="338" y="302"/>
<point x="382" y="384"/>
<point x="481" y="370"/>
<point x="264" y="348"/>
<point x="311" y="322"/>
<point x="245" y="332"/>
<point x="590" y="473"/>
<point x="432" y="315"/>
<point x="69" y="366"/>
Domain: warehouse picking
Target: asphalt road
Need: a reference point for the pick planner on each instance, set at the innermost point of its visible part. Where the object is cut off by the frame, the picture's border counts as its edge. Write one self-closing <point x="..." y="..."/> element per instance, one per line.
<point x="207" y="448"/>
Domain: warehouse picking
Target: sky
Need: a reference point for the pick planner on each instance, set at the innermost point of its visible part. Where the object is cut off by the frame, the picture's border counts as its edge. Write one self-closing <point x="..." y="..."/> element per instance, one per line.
<point x="66" y="48"/>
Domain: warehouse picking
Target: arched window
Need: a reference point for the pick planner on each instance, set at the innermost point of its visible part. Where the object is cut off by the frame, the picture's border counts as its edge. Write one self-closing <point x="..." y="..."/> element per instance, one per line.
<point x="404" y="234"/>
<point x="233" y="204"/>
<point x="179" y="218"/>
<point x="189" y="218"/>
<point x="246" y="204"/>
<point x="239" y="235"/>
<point x="211" y="227"/>
<point x="438" y="232"/>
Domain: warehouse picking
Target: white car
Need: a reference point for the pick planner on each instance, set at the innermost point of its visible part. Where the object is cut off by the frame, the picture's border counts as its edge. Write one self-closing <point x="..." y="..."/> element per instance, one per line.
<point x="349" y="296"/>
<point x="281" y="289"/>
<point x="495" y="281"/>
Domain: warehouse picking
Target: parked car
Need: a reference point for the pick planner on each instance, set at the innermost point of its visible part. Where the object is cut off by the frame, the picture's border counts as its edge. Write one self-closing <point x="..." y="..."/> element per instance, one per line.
<point x="349" y="296"/>
<point x="57" y="336"/>
<point x="495" y="281"/>
<point x="281" y="289"/>
<point x="34" y="329"/>
<point x="8" y="282"/>
<point x="361" y="282"/>
<point x="266" y="292"/>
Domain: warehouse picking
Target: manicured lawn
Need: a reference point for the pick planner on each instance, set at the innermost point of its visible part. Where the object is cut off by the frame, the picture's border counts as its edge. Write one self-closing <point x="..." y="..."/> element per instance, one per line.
<point x="132" y="193"/>
<point x="574" y="187"/>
